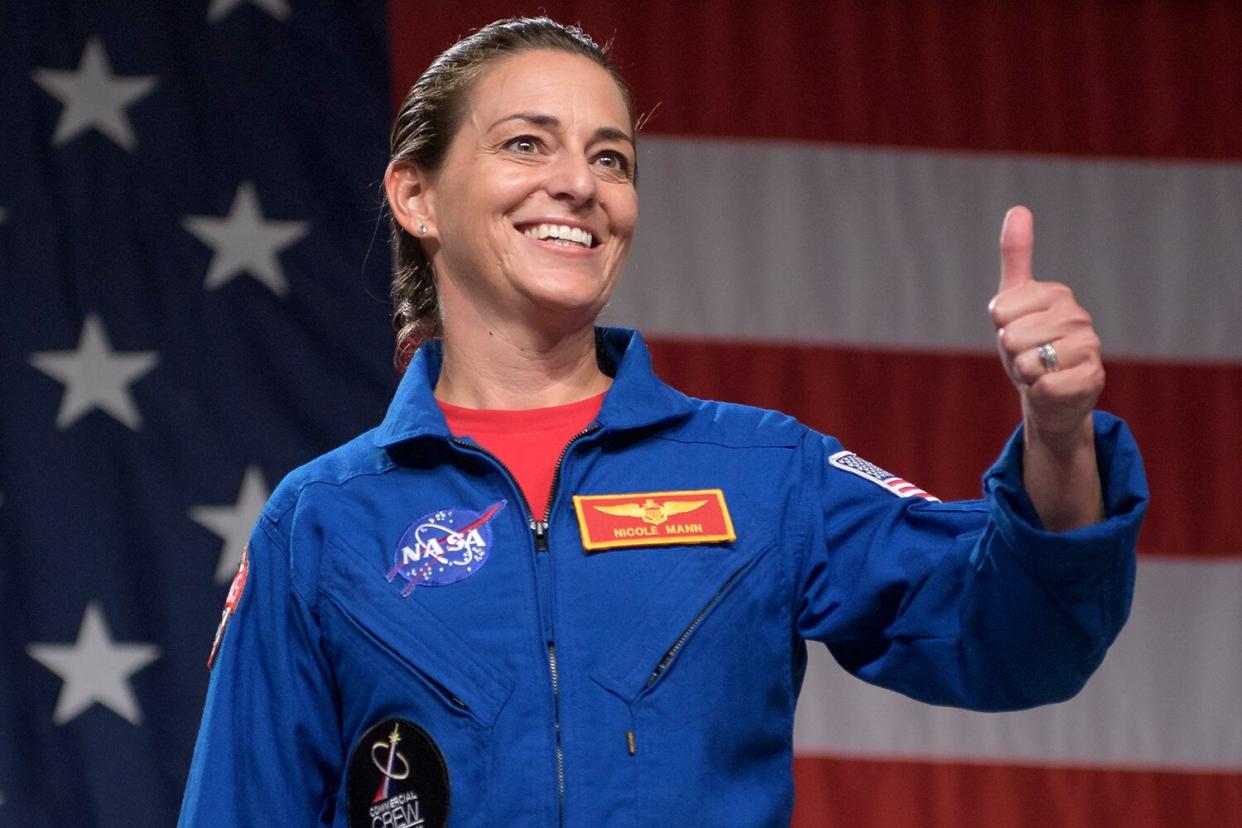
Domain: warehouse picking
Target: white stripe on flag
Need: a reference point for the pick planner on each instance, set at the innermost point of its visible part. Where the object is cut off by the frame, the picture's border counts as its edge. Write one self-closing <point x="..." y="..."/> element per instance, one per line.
<point x="1166" y="696"/>
<point x="898" y="248"/>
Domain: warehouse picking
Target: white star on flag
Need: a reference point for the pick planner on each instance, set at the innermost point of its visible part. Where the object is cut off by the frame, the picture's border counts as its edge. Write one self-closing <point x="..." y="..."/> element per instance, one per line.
<point x="278" y="9"/>
<point x="234" y="523"/>
<point x="244" y="241"/>
<point x="95" y="376"/>
<point x="94" y="97"/>
<point x="95" y="669"/>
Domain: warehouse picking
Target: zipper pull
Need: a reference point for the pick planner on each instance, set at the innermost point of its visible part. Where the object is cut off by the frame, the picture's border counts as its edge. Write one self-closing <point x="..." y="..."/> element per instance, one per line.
<point x="540" y="529"/>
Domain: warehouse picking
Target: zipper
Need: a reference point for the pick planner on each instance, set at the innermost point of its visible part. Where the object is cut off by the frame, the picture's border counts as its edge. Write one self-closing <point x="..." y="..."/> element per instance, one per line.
<point x="689" y="630"/>
<point x="539" y="534"/>
<point x="384" y="646"/>
<point x="560" y="753"/>
<point x="540" y="528"/>
<point x="556" y="482"/>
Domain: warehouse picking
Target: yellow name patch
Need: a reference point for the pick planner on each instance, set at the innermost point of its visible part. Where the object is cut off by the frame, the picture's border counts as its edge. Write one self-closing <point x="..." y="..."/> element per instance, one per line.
<point x="653" y="519"/>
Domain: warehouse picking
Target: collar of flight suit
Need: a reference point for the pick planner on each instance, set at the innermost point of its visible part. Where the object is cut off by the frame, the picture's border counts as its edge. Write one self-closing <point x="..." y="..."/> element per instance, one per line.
<point x="637" y="398"/>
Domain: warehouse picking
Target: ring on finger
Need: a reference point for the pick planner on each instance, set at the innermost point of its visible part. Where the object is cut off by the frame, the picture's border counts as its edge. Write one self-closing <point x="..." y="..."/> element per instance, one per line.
<point x="1048" y="356"/>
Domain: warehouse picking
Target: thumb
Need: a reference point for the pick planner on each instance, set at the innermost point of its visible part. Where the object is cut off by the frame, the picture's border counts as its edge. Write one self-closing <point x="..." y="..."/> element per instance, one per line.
<point x="1017" y="245"/>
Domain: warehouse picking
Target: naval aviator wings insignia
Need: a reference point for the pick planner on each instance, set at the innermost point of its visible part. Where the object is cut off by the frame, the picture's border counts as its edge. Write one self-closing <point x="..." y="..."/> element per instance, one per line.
<point x="653" y="519"/>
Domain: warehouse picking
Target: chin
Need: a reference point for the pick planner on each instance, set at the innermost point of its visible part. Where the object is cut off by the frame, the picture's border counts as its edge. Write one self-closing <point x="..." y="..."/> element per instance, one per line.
<point x="574" y="294"/>
<point x="564" y="313"/>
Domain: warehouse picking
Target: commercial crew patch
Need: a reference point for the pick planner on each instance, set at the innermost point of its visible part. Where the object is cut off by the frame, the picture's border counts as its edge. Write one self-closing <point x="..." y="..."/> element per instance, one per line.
<point x="443" y="547"/>
<point x="653" y="519"/>
<point x="852" y="463"/>
<point x="397" y="777"/>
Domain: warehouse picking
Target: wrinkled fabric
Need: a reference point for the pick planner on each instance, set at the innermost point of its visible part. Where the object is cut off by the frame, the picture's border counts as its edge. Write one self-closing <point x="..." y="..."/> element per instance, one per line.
<point x="677" y="666"/>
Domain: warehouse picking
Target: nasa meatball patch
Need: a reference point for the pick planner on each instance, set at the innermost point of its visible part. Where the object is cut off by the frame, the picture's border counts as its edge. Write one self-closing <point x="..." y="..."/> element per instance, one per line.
<point x="443" y="547"/>
<point x="397" y="777"/>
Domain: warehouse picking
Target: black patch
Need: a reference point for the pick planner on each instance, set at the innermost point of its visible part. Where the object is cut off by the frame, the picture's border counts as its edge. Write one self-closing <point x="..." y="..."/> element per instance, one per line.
<point x="397" y="779"/>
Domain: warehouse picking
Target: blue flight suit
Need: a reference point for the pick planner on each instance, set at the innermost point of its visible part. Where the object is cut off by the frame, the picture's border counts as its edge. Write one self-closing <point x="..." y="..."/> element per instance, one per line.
<point x="634" y="686"/>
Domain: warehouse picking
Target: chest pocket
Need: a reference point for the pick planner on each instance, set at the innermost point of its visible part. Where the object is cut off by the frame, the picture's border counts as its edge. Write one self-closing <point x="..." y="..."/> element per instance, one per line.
<point x="684" y="614"/>
<point x="705" y="677"/>
<point x="394" y="659"/>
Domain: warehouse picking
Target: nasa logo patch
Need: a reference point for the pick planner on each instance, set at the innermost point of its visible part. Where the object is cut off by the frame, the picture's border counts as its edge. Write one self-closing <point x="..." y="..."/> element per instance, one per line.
<point x="443" y="547"/>
<point x="397" y="777"/>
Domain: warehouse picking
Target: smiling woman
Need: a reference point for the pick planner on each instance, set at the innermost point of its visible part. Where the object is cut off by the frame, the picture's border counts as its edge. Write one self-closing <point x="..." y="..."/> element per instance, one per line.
<point x="439" y="103"/>
<point x="551" y="590"/>
<point x="525" y="223"/>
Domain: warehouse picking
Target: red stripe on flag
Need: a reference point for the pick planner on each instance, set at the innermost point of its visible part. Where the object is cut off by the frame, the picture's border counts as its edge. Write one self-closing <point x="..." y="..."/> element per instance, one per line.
<point x="941" y="419"/>
<point x="862" y="793"/>
<point x="1158" y="79"/>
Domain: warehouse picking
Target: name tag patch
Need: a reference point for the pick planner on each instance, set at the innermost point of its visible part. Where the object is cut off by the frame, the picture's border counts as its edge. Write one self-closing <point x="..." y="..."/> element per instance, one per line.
<point x="850" y="462"/>
<point x="653" y="519"/>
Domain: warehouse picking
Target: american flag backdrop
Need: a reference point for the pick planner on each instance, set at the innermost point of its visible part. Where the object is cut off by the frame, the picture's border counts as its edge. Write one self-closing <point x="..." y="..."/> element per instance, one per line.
<point x="193" y="273"/>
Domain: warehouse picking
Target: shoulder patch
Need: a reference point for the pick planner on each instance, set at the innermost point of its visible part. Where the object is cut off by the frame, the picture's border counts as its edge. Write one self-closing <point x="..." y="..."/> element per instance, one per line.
<point x="230" y="603"/>
<point x="850" y="462"/>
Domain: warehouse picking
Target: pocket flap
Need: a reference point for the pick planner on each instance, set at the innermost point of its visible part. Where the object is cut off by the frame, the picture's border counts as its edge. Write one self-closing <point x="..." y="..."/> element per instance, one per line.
<point x="676" y="609"/>
<point x="415" y="637"/>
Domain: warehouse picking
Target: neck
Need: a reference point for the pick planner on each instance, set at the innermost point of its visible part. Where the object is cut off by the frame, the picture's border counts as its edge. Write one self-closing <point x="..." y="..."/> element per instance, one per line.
<point x="518" y="368"/>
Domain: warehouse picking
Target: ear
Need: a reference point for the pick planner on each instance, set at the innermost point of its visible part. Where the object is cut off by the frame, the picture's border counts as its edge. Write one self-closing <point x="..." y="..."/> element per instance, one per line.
<point x="410" y="198"/>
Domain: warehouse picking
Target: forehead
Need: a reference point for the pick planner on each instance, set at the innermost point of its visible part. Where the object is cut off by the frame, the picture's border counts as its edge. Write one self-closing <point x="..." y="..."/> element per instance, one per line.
<point x="548" y="81"/>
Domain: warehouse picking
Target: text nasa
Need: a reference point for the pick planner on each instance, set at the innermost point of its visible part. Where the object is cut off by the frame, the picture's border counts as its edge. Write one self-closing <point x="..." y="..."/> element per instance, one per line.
<point x="400" y="811"/>
<point x="469" y="546"/>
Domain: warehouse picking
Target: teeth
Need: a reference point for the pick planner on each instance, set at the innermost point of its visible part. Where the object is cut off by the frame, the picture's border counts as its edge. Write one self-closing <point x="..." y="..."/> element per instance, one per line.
<point x="562" y="233"/>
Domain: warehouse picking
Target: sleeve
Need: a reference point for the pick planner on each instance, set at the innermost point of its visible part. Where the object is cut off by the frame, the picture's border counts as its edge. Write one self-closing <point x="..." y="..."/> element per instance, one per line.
<point x="268" y="749"/>
<point x="970" y="604"/>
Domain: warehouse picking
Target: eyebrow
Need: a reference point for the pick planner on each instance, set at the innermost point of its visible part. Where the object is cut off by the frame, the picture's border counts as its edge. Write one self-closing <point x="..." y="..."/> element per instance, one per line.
<point x="552" y="122"/>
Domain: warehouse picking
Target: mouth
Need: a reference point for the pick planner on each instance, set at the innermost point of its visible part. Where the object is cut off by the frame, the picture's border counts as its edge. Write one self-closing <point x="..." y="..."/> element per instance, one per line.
<point x="560" y="235"/>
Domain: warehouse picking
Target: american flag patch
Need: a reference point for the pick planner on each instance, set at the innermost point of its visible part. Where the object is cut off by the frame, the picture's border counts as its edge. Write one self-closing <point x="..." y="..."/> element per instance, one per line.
<point x="852" y="463"/>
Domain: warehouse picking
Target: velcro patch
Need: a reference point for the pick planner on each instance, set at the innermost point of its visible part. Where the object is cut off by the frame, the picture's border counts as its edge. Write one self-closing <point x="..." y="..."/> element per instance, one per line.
<point x="397" y="777"/>
<point x="653" y="519"/>
<point x="230" y="603"/>
<point x="852" y="463"/>
<point x="443" y="547"/>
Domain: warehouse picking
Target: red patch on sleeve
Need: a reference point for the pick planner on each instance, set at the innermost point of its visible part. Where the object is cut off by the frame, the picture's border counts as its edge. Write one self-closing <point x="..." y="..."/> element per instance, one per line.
<point x="230" y="604"/>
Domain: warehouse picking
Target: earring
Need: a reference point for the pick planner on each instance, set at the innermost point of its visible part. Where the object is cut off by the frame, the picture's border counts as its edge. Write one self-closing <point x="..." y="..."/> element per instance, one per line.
<point x="422" y="229"/>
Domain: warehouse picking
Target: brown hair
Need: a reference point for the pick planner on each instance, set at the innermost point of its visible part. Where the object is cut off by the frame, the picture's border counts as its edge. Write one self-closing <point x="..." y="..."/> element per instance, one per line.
<point x="424" y="128"/>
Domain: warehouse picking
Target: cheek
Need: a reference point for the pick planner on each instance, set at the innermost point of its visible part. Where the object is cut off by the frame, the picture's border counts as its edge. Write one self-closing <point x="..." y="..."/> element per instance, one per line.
<point x="486" y="199"/>
<point x="506" y="186"/>
<point x="623" y="212"/>
<point x="506" y="193"/>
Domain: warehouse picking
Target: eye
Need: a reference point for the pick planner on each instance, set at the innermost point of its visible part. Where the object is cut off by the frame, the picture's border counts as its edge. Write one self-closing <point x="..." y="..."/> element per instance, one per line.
<point x="524" y="144"/>
<point x="613" y="160"/>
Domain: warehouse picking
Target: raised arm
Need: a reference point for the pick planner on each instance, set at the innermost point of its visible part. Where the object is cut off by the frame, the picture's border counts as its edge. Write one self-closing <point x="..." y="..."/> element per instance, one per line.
<point x="1051" y="352"/>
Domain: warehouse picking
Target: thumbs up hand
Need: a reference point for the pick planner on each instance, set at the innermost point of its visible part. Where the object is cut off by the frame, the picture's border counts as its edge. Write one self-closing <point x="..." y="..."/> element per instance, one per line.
<point x="1052" y="354"/>
<point x="1046" y="340"/>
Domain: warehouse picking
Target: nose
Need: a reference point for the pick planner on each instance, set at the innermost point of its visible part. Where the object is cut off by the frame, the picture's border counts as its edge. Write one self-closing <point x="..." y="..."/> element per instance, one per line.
<point x="571" y="180"/>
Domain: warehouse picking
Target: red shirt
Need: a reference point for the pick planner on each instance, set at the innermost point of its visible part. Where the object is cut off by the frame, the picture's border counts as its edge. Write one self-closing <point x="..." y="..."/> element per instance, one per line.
<point x="527" y="442"/>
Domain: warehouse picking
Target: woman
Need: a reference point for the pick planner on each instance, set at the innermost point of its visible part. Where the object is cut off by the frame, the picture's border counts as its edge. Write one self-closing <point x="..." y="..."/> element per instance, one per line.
<point x="549" y="589"/>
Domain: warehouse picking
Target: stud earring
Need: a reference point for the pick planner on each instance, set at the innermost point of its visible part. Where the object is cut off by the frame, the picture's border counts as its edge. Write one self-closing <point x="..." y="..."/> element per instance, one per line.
<point x="422" y="229"/>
